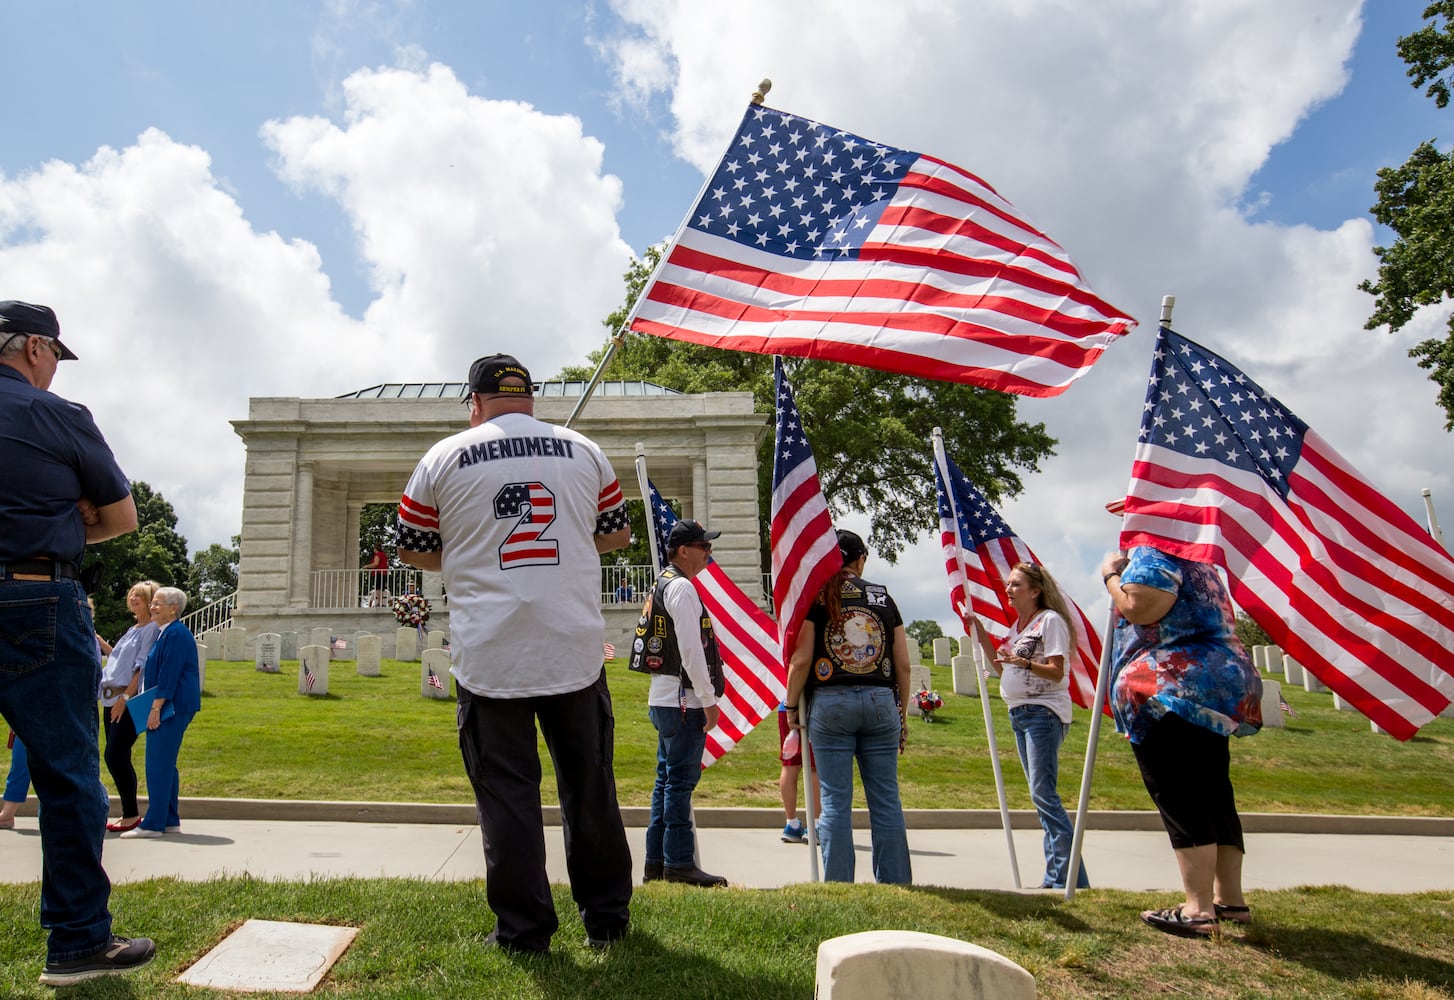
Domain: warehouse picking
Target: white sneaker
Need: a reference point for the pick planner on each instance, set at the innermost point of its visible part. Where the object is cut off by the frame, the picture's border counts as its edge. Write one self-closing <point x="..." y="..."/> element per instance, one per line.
<point x="174" y="829"/>
<point x="140" y="833"/>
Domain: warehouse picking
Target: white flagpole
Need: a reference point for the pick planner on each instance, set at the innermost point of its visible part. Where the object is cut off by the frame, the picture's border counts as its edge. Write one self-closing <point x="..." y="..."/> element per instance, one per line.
<point x="1434" y="528"/>
<point x="805" y="706"/>
<point x="984" y="694"/>
<point x="643" y="484"/>
<point x="619" y="337"/>
<point x="1082" y="808"/>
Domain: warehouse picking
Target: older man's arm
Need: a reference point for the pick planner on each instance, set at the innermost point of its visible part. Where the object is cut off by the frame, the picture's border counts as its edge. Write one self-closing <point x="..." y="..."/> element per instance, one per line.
<point x="618" y="539"/>
<point x="109" y="521"/>
<point x="430" y="562"/>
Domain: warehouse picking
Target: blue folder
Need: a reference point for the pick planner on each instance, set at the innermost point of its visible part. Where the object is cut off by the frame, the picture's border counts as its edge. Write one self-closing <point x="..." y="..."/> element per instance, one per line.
<point x="140" y="708"/>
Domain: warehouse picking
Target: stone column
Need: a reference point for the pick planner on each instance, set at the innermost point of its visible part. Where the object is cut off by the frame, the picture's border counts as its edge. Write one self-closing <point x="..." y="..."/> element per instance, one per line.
<point x="300" y="591"/>
<point x="700" y="505"/>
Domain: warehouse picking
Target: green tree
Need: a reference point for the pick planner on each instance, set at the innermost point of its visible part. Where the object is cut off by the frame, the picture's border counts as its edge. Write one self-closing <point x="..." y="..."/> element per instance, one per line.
<point x="870" y="430"/>
<point x="1250" y="633"/>
<point x="213" y="573"/>
<point x="154" y="551"/>
<point x="376" y="529"/>
<point x="924" y="632"/>
<point x="1416" y="201"/>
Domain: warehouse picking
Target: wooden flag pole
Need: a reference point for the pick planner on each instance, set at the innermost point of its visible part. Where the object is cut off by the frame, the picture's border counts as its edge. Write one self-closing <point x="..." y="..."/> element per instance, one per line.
<point x="984" y="694"/>
<point x="619" y="337"/>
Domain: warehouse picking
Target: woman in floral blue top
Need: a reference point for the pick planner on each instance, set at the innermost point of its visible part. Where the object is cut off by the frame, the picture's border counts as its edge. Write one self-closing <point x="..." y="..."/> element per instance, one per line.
<point x="1181" y="684"/>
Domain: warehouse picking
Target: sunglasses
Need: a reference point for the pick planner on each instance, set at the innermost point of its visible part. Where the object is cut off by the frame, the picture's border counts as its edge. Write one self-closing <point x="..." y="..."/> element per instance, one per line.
<point x="704" y="546"/>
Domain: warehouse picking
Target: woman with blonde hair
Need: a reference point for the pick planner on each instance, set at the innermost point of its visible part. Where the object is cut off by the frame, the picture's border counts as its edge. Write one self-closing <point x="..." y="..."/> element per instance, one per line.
<point x="120" y="680"/>
<point x="1033" y="663"/>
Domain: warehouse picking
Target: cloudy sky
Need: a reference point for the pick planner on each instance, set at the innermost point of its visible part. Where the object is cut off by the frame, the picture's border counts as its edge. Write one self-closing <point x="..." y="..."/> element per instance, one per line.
<point x="279" y="198"/>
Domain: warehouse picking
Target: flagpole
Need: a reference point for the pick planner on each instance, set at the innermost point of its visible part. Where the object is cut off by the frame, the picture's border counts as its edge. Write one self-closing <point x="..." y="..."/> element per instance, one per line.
<point x="805" y="706"/>
<point x="619" y="337"/>
<point x="1082" y="808"/>
<point x="1103" y="686"/>
<point x="984" y="694"/>
<point x="1434" y="528"/>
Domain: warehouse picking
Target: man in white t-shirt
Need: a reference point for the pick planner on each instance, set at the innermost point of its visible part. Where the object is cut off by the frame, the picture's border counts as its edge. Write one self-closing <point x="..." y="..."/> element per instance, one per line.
<point x="515" y="513"/>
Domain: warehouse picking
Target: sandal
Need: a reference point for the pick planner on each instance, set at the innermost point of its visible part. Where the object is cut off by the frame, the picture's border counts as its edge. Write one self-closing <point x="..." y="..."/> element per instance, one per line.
<point x="1236" y="914"/>
<point x="1173" y="921"/>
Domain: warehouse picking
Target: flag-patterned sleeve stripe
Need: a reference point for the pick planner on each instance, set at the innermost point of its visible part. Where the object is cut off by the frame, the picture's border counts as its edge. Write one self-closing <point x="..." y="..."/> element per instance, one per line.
<point x="417" y="529"/>
<point x="612" y="515"/>
<point x="418" y="515"/>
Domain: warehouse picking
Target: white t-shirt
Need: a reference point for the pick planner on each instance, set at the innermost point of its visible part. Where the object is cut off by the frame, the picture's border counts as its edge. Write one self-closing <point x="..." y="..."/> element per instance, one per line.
<point x="684" y="605"/>
<point x="514" y="505"/>
<point x="1044" y="636"/>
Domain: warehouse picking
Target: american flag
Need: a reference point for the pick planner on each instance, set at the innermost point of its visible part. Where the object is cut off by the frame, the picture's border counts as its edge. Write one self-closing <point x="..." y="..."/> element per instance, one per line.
<point x="308" y="678"/>
<point x="608" y="650"/>
<point x="752" y="663"/>
<point x="1337" y="575"/>
<point x="434" y="680"/>
<point x="804" y="545"/>
<point x="534" y="505"/>
<point x="811" y="242"/>
<point x="990" y="550"/>
<point x="339" y="643"/>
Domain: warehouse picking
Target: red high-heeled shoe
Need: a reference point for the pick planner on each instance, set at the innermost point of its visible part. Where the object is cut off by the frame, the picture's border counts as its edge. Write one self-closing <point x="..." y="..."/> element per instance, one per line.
<point x="121" y="825"/>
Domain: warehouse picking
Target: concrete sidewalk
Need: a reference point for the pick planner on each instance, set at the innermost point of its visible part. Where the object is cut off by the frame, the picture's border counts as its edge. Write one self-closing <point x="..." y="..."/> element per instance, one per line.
<point x="1413" y="856"/>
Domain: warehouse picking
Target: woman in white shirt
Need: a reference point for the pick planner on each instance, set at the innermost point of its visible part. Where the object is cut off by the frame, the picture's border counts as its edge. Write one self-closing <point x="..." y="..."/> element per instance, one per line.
<point x="120" y="680"/>
<point x="1033" y="664"/>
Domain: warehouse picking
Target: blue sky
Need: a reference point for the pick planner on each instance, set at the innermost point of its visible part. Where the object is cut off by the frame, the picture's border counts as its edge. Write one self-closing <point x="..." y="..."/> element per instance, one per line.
<point x="229" y="200"/>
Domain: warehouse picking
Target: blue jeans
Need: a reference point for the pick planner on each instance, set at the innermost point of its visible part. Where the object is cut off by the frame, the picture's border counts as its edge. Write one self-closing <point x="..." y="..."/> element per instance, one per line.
<point x="860" y="722"/>
<point x="681" y="738"/>
<point x="1038" y="735"/>
<point x="17" y="781"/>
<point x="49" y="674"/>
<point x="163" y="780"/>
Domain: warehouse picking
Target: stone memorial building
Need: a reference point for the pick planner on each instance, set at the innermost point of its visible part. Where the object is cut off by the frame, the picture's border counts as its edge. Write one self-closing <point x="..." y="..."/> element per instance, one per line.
<point x="312" y="465"/>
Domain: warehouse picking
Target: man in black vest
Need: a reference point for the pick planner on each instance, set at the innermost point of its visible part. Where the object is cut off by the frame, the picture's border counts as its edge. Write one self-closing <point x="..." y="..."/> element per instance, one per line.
<point x="674" y="643"/>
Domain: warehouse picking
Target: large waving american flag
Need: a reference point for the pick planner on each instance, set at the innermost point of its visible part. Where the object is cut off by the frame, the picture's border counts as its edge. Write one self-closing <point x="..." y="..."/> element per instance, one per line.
<point x="978" y="543"/>
<point x="1337" y="575"/>
<point x="812" y="242"/>
<point x="752" y="662"/>
<point x="805" y="551"/>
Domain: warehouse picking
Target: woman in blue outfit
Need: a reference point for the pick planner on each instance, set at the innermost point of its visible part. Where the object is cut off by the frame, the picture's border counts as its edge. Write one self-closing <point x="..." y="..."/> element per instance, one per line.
<point x="1181" y="684"/>
<point x="120" y="680"/>
<point x="1034" y="667"/>
<point x="170" y="677"/>
<point x="851" y="658"/>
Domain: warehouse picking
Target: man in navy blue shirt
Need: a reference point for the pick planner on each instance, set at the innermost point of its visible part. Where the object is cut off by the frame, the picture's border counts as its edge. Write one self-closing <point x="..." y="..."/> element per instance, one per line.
<point x="60" y="488"/>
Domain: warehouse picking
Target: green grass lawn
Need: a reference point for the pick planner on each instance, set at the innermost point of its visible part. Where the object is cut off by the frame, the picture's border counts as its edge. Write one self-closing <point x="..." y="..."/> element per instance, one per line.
<point x="424" y="940"/>
<point x="376" y="739"/>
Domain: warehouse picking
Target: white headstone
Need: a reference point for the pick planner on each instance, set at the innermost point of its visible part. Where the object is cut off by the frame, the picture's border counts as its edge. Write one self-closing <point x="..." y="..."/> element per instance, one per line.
<point x="406" y="643"/>
<point x="204" y="652"/>
<point x="435" y="664"/>
<point x="966" y="681"/>
<point x="268" y="654"/>
<point x="319" y="636"/>
<point x="267" y="956"/>
<point x="1342" y="705"/>
<point x="201" y="668"/>
<point x="290" y="644"/>
<point x="919" y="679"/>
<point x="436" y="638"/>
<point x="369" y="647"/>
<point x="943" y="651"/>
<point x="1272" y="706"/>
<point x="1310" y="683"/>
<point x="313" y="670"/>
<point x="1274" y="660"/>
<point x="1259" y="658"/>
<point x="1292" y="670"/>
<point x="234" y="644"/>
<point x="875" y="964"/>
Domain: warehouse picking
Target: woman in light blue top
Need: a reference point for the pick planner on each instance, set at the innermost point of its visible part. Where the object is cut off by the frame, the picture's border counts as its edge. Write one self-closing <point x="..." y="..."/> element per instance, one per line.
<point x="120" y="680"/>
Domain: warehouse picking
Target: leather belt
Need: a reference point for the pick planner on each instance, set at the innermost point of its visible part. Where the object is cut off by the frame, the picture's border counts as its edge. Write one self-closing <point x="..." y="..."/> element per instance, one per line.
<point x="39" y="569"/>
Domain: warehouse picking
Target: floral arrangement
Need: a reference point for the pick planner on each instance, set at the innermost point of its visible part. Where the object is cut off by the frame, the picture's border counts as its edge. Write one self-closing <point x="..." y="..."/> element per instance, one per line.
<point x="411" y="609"/>
<point x="928" y="701"/>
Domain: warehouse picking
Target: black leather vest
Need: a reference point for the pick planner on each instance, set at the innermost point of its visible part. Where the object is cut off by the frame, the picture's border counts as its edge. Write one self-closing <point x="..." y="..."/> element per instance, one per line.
<point x="655" y="650"/>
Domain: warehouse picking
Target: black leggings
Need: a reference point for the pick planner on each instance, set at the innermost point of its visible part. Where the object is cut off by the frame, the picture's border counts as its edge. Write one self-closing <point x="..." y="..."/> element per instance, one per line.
<point x="1186" y="768"/>
<point x="120" y="738"/>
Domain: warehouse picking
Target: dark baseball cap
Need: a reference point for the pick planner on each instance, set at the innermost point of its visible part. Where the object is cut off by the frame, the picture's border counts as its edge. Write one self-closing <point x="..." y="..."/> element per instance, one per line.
<point x="850" y="545"/>
<point x="485" y="375"/>
<point x="23" y="318"/>
<point x="689" y="532"/>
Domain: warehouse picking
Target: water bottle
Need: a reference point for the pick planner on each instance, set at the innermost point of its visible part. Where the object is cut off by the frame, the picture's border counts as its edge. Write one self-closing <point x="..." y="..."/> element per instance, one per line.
<point x="792" y="744"/>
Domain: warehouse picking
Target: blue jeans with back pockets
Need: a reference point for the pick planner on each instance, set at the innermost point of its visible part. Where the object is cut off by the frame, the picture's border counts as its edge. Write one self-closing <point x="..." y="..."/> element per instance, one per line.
<point x="681" y="739"/>
<point x="50" y="672"/>
<point x="1038" y="735"/>
<point x="858" y="722"/>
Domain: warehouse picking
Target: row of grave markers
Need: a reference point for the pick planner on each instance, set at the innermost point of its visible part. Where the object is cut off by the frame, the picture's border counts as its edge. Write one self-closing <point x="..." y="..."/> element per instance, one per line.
<point x="323" y="648"/>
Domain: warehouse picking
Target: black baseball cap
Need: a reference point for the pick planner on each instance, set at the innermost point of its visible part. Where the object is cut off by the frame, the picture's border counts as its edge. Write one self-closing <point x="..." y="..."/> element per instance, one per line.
<point x="485" y="375"/>
<point x="850" y="545"/>
<point x="689" y="532"/>
<point x="24" y="319"/>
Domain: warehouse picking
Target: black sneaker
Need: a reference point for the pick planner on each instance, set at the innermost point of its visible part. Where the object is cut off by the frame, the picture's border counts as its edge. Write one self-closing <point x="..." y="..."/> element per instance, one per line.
<point x="121" y="955"/>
